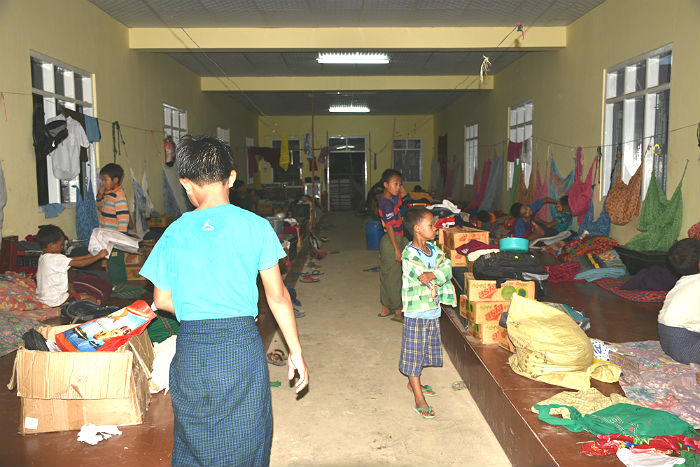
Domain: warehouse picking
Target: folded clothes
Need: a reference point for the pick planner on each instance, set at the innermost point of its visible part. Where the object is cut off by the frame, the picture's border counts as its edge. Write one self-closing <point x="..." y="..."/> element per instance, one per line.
<point x="106" y="239"/>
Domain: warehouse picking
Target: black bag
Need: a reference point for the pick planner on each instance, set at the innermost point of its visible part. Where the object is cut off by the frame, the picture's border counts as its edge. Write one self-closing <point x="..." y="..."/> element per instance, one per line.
<point x="34" y="341"/>
<point x="80" y="311"/>
<point x="47" y="136"/>
<point x="508" y="265"/>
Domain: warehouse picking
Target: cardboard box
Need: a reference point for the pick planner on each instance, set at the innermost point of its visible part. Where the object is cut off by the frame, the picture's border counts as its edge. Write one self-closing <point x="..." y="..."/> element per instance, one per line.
<point x="455" y="237"/>
<point x="487" y="333"/>
<point x="132" y="274"/>
<point x="481" y="312"/>
<point x="457" y="260"/>
<point x="503" y="340"/>
<point x="133" y="259"/>
<point x="488" y="291"/>
<point x="66" y="390"/>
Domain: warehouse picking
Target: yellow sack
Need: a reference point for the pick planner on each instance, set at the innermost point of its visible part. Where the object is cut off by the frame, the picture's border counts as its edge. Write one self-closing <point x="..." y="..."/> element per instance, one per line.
<point x="550" y="347"/>
<point x="284" y="152"/>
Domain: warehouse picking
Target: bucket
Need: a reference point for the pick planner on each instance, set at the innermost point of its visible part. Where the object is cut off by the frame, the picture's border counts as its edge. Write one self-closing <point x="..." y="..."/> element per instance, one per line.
<point x="374" y="232"/>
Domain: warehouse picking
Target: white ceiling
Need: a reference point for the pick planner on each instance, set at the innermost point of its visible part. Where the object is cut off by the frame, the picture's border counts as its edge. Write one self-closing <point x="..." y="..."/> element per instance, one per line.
<point x="343" y="13"/>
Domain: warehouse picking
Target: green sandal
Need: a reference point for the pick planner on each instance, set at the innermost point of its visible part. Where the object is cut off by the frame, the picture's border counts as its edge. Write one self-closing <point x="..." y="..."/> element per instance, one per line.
<point x="425" y="413"/>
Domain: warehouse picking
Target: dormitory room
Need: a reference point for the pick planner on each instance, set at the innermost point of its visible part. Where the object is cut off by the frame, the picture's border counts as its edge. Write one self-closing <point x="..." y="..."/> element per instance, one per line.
<point x="350" y="232"/>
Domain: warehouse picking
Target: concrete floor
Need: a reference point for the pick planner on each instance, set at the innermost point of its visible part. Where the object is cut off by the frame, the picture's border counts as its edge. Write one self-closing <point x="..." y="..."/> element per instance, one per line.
<point x="358" y="410"/>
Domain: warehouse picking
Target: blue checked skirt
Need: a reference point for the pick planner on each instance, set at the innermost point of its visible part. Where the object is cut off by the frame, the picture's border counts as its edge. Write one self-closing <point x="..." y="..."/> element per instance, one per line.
<point x="220" y="390"/>
<point x="420" y="345"/>
<point x="680" y="344"/>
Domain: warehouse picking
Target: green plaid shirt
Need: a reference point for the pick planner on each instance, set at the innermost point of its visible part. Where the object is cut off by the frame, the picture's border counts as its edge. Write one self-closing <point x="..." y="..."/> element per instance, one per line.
<point x="417" y="297"/>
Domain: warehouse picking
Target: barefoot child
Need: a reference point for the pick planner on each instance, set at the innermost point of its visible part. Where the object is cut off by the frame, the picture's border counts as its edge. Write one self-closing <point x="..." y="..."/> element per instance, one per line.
<point x="204" y="269"/>
<point x="391" y="244"/>
<point x="426" y="284"/>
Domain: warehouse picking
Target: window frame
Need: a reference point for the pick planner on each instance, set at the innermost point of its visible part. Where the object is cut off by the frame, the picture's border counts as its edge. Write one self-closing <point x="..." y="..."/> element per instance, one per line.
<point x="471" y="152"/>
<point x="51" y="99"/>
<point x="527" y="127"/>
<point x="628" y="97"/>
<point x="405" y="150"/>
<point x="168" y="128"/>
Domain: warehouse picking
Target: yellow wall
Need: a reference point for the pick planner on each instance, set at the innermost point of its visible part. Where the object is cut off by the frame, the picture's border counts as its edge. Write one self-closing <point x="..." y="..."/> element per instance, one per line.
<point x="567" y="88"/>
<point x="376" y="129"/>
<point x="129" y="86"/>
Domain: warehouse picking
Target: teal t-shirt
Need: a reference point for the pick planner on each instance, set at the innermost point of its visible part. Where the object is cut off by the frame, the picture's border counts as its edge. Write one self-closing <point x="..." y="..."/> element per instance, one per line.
<point x="209" y="260"/>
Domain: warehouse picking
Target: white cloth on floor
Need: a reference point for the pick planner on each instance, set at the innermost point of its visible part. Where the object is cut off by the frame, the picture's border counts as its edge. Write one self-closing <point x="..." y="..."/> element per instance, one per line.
<point x="106" y="239"/>
<point x="160" y="376"/>
<point x="446" y="204"/>
<point x="93" y="434"/>
<point x="647" y="459"/>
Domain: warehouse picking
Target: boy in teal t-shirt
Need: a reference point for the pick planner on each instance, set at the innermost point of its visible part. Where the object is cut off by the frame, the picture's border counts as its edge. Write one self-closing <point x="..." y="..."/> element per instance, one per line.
<point x="204" y="269"/>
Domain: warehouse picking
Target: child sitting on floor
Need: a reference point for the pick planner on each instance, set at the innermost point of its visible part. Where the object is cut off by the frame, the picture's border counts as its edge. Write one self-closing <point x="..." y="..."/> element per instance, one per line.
<point x="52" y="286"/>
<point x="425" y="285"/>
<point x="679" y="318"/>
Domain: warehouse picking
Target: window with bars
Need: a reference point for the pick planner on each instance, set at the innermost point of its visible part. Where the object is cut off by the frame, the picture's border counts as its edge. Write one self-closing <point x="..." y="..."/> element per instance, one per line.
<point x="636" y="118"/>
<point x="408" y="158"/>
<point x="520" y="131"/>
<point x="174" y="122"/>
<point x="224" y="134"/>
<point x="57" y="86"/>
<point x="471" y="152"/>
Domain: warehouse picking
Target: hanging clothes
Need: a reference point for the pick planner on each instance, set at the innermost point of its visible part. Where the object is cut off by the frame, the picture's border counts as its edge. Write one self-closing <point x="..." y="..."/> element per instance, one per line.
<point x="624" y="201"/>
<point x="516" y="176"/>
<point x="170" y="205"/>
<point x="480" y="188"/>
<point x="514" y="151"/>
<point x="271" y="155"/>
<point x="139" y="214"/>
<point x="65" y="159"/>
<point x="149" y="203"/>
<point x="660" y="219"/>
<point x="85" y="213"/>
<point x="581" y="192"/>
<point x="494" y="184"/>
<point x="307" y="147"/>
<point x="599" y="227"/>
<point x="540" y="192"/>
<point x="524" y="194"/>
<point x="92" y="129"/>
<point x="558" y="185"/>
<point x="284" y="152"/>
<point x="252" y="163"/>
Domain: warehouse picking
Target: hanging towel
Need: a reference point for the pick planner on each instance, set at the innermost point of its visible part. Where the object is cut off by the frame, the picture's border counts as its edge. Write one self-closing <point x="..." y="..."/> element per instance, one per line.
<point x="149" y="203"/>
<point x="599" y="227"/>
<point x="284" y="152"/>
<point x="52" y="209"/>
<point x="541" y="192"/>
<point x="625" y="200"/>
<point x="139" y="215"/>
<point x="660" y="219"/>
<point x="524" y="193"/>
<point x="480" y="187"/>
<point x="493" y="186"/>
<point x="170" y="205"/>
<point x="92" y="129"/>
<point x="85" y="213"/>
<point x="307" y="147"/>
<point x="514" y="150"/>
<point x="581" y="192"/>
<point x="516" y="176"/>
<point x="558" y="185"/>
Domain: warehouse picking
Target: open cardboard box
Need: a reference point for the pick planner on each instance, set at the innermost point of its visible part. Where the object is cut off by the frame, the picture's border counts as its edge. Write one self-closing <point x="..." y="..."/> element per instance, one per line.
<point x="65" y="390"/>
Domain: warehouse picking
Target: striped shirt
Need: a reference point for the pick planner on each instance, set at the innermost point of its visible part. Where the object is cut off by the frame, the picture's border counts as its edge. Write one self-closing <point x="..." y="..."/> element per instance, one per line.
<point x="113" y="210"/>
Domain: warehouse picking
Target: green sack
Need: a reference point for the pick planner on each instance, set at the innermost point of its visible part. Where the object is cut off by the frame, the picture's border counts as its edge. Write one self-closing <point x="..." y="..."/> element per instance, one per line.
<point x="660" y="220"/>
<point x="641" y="423"/>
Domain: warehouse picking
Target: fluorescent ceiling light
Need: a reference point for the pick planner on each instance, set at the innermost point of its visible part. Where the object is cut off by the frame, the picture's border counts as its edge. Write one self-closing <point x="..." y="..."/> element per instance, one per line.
<point x="353" y="57"/>
<point x="348" y="109"/>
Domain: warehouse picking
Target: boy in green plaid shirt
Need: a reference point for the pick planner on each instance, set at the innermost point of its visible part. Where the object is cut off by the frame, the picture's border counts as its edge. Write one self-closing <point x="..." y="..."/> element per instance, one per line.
<point x="425" y="285"/>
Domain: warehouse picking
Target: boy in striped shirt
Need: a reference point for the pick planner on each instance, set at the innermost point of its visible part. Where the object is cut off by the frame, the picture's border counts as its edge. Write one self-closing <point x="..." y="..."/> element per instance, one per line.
<point x="112" y="208"/>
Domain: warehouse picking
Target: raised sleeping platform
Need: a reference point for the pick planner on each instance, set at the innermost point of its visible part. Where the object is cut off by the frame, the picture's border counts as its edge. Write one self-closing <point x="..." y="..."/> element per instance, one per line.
<point x="505" y="398"/>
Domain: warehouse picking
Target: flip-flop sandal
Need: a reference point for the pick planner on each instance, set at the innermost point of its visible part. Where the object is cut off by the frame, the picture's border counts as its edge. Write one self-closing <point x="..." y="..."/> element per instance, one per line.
<point x="384" y="316"/>
<point x="274" y="359"/>
<point x="425" y="388"/>
<point x="309" y="279"/>
<point x="459" y="385"/>
<point x="299" y="314"/>
<point x="324" y="239"/>
<point x="281" y="353"/>
<point x="315" y="272"/>
<point x="425" y="413"/>
<point x="398" y="320"/>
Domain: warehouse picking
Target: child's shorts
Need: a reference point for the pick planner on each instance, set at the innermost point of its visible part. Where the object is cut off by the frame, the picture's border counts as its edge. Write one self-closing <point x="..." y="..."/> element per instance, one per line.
<point x="420" y="345"/>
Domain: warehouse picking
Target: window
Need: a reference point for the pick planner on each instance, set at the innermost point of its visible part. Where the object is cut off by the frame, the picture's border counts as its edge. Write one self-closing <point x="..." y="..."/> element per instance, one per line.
<point x="408" y="156"/>
<point x="174" y="122"/>
<point x="636" y="118"/>
<point x="224" y="134"/>
<point x="471" y="152"/>
<point x="57" y="86"/>
<point x="292" y="176"/>
<point x="520" y="131"/>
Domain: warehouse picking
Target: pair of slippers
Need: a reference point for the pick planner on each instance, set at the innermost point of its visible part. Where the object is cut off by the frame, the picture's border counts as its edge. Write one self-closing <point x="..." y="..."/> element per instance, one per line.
<point x="299" y="314"/>
<point x="398" y="319"/>
<point x="277" y="357"/>
<point x="308" y="278"/>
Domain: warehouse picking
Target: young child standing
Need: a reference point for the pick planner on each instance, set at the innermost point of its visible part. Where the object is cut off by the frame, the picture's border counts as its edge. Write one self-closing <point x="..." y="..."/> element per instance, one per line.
<point x="52" y="287"/>
<point x="391" y="244"/>
<point x="204" y="269"/>
<point x="426" y="284"/>
<point x="112" y="208"/>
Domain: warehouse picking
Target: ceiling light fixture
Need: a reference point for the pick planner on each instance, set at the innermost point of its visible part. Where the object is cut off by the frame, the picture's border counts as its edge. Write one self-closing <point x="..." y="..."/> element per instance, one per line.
<point x="353" y="58"/>
<point x="348" y="109"/>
